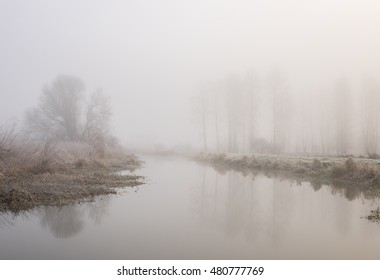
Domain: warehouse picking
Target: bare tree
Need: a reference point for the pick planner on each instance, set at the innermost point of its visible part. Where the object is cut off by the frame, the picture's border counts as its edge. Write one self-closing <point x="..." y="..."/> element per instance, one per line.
<point x="252" y="88"/>
<point x="343" y="121"/>
<point x="97" y="119"/>
<point x="59" y="109"/>
<point x="281" y="109"/>
<point x="216" y="97"/>
<point x="233" y="87"/>
<point x="63" y="114"/>
<point x="370" y="114"/>
<point x="201" y="103"/>
<point x="7" y="140"/>
<point x="203" y="110"/>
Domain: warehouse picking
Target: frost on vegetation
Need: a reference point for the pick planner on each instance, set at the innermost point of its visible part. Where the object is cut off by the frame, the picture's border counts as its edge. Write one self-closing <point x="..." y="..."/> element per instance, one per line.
<point x="50" y="173"/>
<point x="346" y="169"/>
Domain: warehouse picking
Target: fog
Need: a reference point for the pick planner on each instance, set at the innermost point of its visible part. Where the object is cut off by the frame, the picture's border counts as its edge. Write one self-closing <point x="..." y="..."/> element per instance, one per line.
<point x="156" y="59"/>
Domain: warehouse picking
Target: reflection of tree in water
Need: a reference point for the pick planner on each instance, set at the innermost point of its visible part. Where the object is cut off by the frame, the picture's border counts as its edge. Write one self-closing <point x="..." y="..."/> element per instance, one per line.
<point x="253" y="226"/>
<point x="282" y="209"/>
<point x="233" y="204"/>
<point x="343" y="217"/>
<point x="98" y="209"/>
<point x="349" y="191"/>
<point x="345" y="188"/>
<point x="316" y="185"/>
<point x="206" y="200"/>
<point x="68" y="221"/>
<point x="63" y="222"/>
<point x="235" y="214"/>
<point x="239" y="204"/>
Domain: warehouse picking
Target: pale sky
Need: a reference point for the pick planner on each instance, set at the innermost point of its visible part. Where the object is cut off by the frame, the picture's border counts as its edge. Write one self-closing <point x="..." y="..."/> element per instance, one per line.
<point x="149" y="56"/>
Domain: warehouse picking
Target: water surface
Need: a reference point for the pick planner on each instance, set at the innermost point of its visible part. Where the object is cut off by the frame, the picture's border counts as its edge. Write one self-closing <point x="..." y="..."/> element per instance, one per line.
<point x="189" y="211"/>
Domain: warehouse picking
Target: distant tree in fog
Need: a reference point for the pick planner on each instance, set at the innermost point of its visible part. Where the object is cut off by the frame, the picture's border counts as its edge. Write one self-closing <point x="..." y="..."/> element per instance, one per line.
<point x="64" y="114"/>
<point x="202" y="108"/>
<point x="281" y="110"/>
<point x="370" y="113"/>
<point x="216" y="94"/>
<point x="343" y="113"/>
<point x="234" y="99"/>
<point x="252" y="88"/>
<point x="96" y="123"/>
<point x="59" y="109"/>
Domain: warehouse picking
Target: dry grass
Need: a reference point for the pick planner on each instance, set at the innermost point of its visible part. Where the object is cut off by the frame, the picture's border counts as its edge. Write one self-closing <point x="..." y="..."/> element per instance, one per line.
<point x="347" y="176"/>
<point x="351" y="170"/>
<point x="48" y="173"/>
<point x="317" y="164"/>
<point x="21" y="190"/>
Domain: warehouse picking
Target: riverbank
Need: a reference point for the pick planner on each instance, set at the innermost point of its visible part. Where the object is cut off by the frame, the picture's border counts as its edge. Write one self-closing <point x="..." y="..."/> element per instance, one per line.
<point x="354" y="176"/>
<point x="361" y="171"/>
<point x="65" y="182"/>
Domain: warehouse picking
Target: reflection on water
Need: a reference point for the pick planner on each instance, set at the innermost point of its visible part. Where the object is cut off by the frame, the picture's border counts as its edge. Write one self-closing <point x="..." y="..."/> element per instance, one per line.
<point x="280" y="216"/>
<point x="269" y="208"/>
<point x="62" y="222"/>
<point x="8" y="220"/>
<point x="241" y="206"/>
<point x="190" y="211"/>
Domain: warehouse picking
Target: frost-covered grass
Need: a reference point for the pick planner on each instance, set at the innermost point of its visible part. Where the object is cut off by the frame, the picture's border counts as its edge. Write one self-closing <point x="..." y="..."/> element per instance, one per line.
<point x="71" y="182"/>
<point x="354" y="170"/>
<point x="36" y="173"/>
<point x="346" y="175"/>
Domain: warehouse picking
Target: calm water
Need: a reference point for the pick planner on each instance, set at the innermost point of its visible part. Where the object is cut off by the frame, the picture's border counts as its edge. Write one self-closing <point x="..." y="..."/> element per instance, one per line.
<point x="189" y="211"/>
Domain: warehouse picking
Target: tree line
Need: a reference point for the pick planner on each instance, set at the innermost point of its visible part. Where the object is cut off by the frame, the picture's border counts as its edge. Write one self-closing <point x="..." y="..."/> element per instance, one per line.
<point x="249" y="114"/>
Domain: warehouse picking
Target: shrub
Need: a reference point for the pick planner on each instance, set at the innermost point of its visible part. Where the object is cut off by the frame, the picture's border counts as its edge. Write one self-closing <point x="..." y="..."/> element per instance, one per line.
<point x="317" y="164"/>
<point x="220" y="158"/>
<point x="337" y="170"/>
<point x="369" y="172"/>
<point x="350" y="165"/>
<point x="19" y="154"/>
<point x="373" y="156"/>
<point x="300" y="170"/>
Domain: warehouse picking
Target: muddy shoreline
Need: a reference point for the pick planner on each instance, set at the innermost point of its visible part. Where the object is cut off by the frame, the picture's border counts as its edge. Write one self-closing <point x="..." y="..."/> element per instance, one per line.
<point x="67" y="183"/>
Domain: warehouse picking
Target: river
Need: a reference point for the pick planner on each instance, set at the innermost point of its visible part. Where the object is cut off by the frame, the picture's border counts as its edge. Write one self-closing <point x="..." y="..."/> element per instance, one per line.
<point x="190" y="211"/>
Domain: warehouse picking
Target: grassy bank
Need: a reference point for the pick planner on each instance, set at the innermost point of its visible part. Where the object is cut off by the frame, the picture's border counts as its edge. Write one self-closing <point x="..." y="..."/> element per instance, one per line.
<point x="65" y="183"/>
<point x="34" y="173"/>
<point x="359" y="170"/>
<point x="350" y="176"/>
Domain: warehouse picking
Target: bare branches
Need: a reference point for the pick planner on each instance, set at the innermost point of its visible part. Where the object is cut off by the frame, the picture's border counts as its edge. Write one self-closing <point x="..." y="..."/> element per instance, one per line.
<point x="97" y="121"/>
<point x="59" y="109"/>
<point x="7" y="139"/>
<point x="63" y="115"/>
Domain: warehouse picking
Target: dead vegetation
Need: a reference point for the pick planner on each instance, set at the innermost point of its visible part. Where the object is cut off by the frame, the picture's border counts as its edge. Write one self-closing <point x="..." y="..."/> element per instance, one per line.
<point x="33" y="174"/>
<point x="350" y="177"/>
<point x="350" y="170"/>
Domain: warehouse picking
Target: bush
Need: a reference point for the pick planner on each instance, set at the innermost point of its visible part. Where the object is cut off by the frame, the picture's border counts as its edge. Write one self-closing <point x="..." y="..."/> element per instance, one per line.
<point x="350" y="165"/>
<point x="317" y="164"/>
<point x="19" y="154"/>
<point x="337" y="170"/>
<point x="369" y="172"/>
<point x="373" y="156"/>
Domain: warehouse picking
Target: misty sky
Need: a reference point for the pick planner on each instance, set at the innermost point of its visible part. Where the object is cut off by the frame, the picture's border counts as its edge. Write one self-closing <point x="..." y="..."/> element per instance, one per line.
<point x="149" y="56"/>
